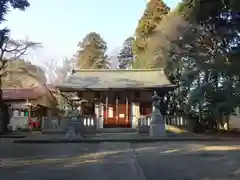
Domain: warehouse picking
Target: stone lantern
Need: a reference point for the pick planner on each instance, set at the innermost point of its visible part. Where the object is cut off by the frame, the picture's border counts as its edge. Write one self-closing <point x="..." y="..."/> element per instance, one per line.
<point x="157" y="124"/>
<point x="75" y="127"/>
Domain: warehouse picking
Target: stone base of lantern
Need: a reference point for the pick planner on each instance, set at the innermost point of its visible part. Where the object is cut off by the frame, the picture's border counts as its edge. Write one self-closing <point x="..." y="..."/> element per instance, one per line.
<point x="74" y="130"/>
<point x="157" y="130"/>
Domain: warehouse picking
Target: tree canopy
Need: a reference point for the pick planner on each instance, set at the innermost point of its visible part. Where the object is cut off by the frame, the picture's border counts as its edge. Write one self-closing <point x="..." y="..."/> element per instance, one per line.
<point x="92" y="52"/>
<point x="197" y="43"/>
<point x="155" y="11"/>
<point x="203" y="61"/>
<point x="125" y="56"/>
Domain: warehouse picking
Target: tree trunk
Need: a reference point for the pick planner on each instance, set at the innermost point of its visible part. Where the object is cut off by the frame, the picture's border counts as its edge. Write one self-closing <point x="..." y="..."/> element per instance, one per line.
<point x="1" y="108"/>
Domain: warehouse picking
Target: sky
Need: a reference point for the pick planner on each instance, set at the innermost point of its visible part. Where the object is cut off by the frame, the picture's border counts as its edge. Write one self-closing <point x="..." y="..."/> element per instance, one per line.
<point x="61" y="24"/>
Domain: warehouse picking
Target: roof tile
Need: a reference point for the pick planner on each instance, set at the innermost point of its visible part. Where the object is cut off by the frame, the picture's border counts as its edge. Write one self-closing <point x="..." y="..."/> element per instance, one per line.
<point x="116" y="78"/>
<point x="21" y="93"/>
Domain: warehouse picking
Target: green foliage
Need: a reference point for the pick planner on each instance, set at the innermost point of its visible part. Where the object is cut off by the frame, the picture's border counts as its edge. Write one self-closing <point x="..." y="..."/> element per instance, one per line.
<point x="197" y="11"/>
<point x="5" y="5"/>
<point x="204" y="62"/>
<point x="125" y="56"/>
<point x="92" y="52"/>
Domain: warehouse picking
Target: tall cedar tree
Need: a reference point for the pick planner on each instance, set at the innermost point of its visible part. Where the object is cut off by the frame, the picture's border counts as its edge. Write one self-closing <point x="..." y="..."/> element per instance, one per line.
<point x="92" y="52"/>
<point x="155" y="11"/>
<point x="125" y="56"/>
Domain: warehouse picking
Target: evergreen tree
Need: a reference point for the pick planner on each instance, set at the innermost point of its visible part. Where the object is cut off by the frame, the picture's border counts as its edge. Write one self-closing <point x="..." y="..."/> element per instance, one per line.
<point x="204" y="62"/>
<point x="92" y="52"/>
<point x="125" y="56"/>
<point x="155" y="11"/>
<point x="5" y="5"/>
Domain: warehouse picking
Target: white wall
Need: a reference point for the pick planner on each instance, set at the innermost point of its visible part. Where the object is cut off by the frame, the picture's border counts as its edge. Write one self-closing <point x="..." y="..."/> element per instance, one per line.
<point x="16" y="122"/>
<point x="234" y="122"/>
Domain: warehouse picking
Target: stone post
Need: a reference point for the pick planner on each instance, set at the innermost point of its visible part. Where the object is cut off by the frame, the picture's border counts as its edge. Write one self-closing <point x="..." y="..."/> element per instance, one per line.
<point x="157" y="125"/>
<point x="47" y="124"/>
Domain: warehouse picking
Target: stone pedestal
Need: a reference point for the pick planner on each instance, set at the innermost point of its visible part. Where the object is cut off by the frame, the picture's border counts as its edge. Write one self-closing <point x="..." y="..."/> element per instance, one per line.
<point x="75" y="127"/>
<point x="157" y="125"/>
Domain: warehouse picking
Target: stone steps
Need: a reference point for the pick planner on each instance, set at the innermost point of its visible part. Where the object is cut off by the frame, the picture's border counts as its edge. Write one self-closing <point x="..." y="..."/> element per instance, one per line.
<point x="116" y="135"/>
<point x="99" y="130"/>
<point x="115" y="130"/>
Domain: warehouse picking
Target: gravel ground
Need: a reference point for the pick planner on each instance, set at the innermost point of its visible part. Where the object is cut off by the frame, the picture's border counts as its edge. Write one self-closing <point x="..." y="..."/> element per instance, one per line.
<point x="110" y="161"/>
<point x="107" y="161"/>
<point x="189" y="161"/>
<point x="45" y="161"/>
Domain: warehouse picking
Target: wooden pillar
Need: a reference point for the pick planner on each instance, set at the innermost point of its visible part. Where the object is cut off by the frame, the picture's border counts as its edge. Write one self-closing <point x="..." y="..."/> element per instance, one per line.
<point x="49" y="118"/>
<point x="97" y="107"/>
<point x="106" y="110"/>
<point x="127" y="110"/>
<point x="135" y="114"/>
<point x="29" y="113"/>
<point x="99" y="111"/>
<point x="29" y="116"/>
<point x="117" y="113"/>
<point x="100" y="120"/>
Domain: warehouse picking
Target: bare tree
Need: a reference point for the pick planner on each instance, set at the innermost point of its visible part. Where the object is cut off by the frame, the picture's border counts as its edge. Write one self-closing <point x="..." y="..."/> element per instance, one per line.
<point x="11" y="50"/>
<point x="63" y="71"/>
<point x="50" y="68"/>
<point x="57" y="73"/>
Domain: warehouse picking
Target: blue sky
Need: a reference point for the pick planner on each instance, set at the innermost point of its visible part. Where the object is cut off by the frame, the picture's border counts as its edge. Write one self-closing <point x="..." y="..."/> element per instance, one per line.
<point x="61" y="24"/>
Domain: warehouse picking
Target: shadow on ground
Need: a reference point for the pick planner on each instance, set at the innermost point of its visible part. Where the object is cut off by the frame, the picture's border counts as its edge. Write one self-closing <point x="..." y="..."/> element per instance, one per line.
<point x="193" y="161"/>
<point x="62" y="161"/>
<point x="162" y="160"/>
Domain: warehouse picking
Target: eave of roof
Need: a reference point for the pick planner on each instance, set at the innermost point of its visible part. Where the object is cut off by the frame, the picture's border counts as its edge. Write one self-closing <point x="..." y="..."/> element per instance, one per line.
<point x="118" y="79"/>
<point x="21" y="93"/>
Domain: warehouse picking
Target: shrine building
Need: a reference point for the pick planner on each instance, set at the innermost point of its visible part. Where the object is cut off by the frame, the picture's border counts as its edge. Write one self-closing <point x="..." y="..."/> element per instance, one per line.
<point x="116" y="97"/>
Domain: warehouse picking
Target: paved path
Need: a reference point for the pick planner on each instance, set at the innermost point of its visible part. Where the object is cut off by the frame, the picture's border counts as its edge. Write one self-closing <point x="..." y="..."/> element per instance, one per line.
<point x="107" y="161"/>
<point x="117" y="161"/>
<point x="190" y="161"/>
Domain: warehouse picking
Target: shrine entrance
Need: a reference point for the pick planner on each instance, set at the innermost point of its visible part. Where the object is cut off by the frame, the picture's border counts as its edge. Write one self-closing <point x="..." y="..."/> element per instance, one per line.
<point x="119" y="97"/>
<point x="117" y="111"/>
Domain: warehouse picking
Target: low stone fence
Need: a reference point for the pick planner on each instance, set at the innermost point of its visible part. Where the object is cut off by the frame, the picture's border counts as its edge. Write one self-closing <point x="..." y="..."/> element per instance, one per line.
<point x="176" y="121"/>
<point x="89" y="122"/>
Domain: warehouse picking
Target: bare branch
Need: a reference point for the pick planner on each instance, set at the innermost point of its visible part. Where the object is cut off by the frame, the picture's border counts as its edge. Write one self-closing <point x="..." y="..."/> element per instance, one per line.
<point x="16" y="49"/>
<point x="57" y="73"/>
<point x="11" y="50"/>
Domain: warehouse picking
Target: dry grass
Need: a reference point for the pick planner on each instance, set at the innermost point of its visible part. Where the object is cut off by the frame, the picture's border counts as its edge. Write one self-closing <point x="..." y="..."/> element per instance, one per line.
<point x="175" y="129"/>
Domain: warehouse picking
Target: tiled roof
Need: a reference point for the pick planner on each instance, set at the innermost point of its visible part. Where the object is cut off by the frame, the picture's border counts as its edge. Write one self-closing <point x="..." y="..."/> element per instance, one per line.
<point x="21" y="93"/>
<point x="115" y="78"/>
